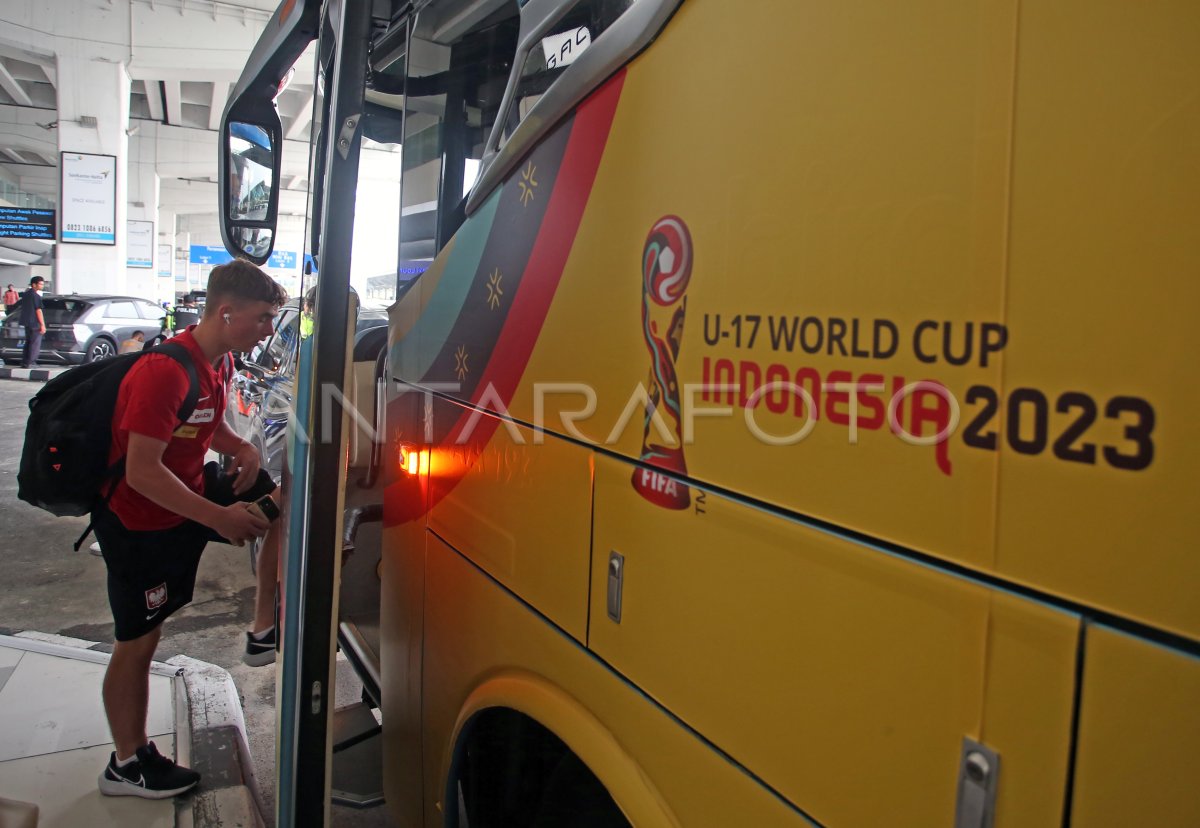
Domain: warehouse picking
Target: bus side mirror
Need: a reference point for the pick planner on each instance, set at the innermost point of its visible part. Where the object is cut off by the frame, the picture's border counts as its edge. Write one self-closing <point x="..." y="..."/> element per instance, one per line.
<point x="249" y="192"/>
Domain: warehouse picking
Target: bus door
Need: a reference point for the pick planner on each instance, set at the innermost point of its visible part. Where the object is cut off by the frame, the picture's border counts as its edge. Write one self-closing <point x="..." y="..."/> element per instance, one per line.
<point x="314" y="475"/>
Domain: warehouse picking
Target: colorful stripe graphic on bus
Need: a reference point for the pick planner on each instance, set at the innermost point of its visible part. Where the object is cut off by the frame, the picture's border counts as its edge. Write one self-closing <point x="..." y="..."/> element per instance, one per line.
<point x="666" y="270"/>
<point x="530" y="233"/>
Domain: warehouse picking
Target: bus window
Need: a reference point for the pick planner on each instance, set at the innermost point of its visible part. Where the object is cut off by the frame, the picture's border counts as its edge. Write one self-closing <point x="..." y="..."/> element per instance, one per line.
<point x="454" y="87"/>
<point x="373" y="269"/>
<point x="563" y="43"/>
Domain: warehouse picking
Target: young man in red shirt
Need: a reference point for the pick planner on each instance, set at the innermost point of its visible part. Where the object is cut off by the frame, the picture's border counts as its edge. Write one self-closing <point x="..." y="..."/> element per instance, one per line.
<point x="169" y="505"/>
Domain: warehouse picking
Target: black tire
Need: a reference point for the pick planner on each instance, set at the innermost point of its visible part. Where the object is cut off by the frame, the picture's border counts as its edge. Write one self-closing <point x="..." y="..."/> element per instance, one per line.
<point x="574" y="796"/>
<point x="100" y="348"/>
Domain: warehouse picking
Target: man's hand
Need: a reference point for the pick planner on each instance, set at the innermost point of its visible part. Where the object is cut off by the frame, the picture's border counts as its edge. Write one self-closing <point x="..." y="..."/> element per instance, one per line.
<point x="238" y="524"/>
<point x="43" y="328"/>
<point x="246" y="461"/>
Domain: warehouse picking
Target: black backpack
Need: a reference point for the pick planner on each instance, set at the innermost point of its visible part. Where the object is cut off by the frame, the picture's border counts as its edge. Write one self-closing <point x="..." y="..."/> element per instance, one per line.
<point x="64" y="463"/>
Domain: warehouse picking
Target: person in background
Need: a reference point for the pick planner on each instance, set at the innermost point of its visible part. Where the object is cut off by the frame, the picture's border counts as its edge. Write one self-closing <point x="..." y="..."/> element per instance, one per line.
<point x="187" y="313"/>
<point x="11" y="297"/>
<point x="34" y="322"/>
<point x="134" y="343"/>
<point x="306" y="312"/>
<point x="163" y="333"/>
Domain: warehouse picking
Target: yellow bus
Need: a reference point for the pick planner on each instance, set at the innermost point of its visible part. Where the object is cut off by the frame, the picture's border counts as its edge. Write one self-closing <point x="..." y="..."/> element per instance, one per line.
<point x="789" y="425"/>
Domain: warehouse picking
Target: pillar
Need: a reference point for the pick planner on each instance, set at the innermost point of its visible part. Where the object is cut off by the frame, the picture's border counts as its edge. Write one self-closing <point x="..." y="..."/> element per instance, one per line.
<point x="99" y="89"/>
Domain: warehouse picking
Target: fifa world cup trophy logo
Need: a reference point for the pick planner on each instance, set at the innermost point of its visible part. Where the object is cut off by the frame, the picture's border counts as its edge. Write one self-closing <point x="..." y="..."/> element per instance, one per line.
<point x="666" y="269"/>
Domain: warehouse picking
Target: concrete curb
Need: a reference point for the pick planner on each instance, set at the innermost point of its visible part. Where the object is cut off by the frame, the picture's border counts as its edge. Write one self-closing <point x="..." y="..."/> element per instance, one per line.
<point x="30" y="374"/>
<point x="210" y="738"/>
<point x="220" y="750"/>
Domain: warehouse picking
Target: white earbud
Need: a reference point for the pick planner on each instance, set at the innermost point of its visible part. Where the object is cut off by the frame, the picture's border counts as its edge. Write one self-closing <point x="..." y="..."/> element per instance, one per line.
<point x="226" y="319"/>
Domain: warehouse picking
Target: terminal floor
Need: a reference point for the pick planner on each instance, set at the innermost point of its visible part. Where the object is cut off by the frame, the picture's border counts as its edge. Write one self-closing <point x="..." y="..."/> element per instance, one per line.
<point x="54" y="739"/>
<point x="50" y="587"/>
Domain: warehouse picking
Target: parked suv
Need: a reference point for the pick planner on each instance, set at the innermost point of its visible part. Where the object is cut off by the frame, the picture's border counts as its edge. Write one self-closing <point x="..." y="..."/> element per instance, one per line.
<point x="82" y="328"/>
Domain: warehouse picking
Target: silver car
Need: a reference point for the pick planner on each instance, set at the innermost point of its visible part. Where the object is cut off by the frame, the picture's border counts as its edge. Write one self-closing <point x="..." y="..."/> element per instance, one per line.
<point x="82" y="328"/>
<point x="261" y="397"/>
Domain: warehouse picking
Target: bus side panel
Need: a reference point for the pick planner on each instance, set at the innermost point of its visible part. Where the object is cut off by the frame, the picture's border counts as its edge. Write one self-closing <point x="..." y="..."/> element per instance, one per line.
<point x="1029" y="700"/>
<point x="1138" y="732"/>
<point x="519" y="510"/>
<point x="846" y="221"/>
<point x="1100" y="392"/>
<point x="814" y="662"/>
<point x="476" y="630"/>
<point x="402" y="600"/>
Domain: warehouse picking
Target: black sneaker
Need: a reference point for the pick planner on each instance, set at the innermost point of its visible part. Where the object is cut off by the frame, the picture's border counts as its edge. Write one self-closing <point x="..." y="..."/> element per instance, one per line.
<point x="260" y="648"/>
<point x="150" y="776"/>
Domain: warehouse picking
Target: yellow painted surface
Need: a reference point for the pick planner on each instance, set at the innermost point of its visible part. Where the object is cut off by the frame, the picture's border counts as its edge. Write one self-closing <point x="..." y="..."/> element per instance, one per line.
<point x="914" y="169"/>
<point x="814" y="663"/>
<point x="1028" y="701"/>
<point x="1102" y="295"/>
<point x="933" y="167"/>
<point x="866" y="181"/>
<point x="521" y="512"/>
<point x="480" y="637"/>
<point x="402" y="608"/>
<point x="1138" y="732"/>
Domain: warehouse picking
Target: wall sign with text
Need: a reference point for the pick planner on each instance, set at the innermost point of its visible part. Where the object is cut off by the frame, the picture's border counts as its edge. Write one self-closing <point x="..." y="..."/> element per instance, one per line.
<point x="166" y="261"/>
<point x="88" y="206"/>
<point x="139" y="245"/>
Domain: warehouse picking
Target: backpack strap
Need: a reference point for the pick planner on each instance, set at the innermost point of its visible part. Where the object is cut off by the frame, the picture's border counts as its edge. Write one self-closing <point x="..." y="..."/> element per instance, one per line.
<point x="183" y="356"/>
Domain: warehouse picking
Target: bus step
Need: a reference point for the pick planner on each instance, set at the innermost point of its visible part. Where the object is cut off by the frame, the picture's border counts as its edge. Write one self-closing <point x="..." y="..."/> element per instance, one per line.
<point x="357" y="758"/>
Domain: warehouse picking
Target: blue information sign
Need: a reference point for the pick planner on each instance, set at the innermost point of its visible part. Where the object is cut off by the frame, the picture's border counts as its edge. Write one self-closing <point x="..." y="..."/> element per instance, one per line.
<point x="26" y="223"/>
<point x="282" y="259"/>
<point x="207" y="254"/>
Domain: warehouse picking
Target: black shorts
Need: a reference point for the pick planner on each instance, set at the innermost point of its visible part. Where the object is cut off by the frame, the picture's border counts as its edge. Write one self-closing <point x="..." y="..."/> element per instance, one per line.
<point x="152" y="574"/>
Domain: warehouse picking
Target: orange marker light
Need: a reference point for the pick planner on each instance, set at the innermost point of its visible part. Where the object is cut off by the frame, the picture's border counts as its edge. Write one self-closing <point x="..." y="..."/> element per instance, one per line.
<point x="410" y="458"/>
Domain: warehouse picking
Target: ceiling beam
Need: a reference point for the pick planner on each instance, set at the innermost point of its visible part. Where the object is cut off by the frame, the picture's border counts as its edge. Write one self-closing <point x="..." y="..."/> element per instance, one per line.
<point x="174" y="102"/>
<point x="38" y="158"/>
<point x="10" y="85"/>
<point x="154" y="99"/>
<point x="220" y="95"/>
<point x="46" y="61"/>
<point x="11" y="153"/>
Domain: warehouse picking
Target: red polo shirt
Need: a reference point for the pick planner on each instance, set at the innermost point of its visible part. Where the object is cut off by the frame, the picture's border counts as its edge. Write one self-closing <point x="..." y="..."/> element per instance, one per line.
<point x="148" y="403"/>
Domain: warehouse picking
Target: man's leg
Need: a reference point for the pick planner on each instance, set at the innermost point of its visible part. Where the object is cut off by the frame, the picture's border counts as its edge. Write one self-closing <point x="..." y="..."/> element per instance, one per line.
<point x="35" y="347"/>
<point x="268" y="574"/>
<point x="136" y="768"/>
<point x="127" y="691"/>
<point x="261" y="640"/>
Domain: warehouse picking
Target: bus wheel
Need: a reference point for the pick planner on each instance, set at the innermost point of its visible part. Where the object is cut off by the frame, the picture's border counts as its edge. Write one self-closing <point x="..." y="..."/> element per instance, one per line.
<point x="511" y="772"/>
<point x="574" y="796"/>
